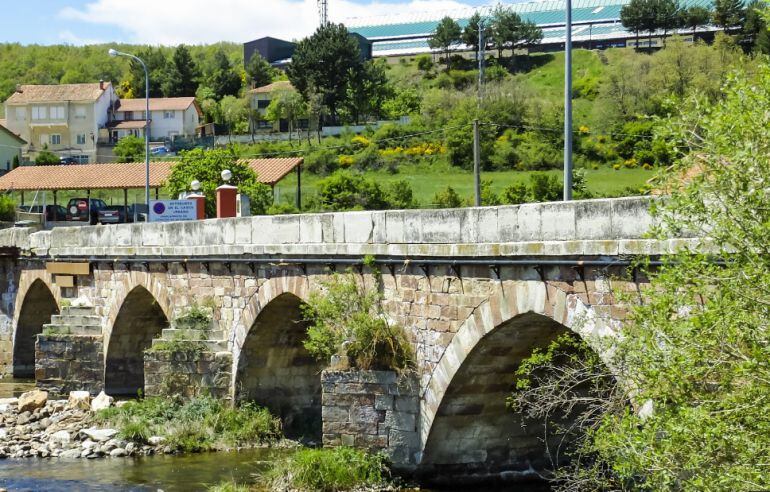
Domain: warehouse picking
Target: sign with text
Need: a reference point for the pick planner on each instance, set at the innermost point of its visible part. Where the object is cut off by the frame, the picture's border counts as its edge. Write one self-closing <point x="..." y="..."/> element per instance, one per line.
<point x="173" y="210"/>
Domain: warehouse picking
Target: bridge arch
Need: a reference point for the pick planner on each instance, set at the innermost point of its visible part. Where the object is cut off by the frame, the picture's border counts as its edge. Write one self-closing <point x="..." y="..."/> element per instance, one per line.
<point x="464" y="423"/>
<point x="271" y="366"/>
<point x="139" y="320"/>
<point x="126" y="283"/>
<point x="36" y="304"/>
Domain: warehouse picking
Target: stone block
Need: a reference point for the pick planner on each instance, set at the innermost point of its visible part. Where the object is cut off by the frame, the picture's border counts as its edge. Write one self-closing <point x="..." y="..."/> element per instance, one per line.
<point x="557" y="221"/>
<point x="441" y="226"/>
<point x="359" y="227"/>
<point x="402" y="421"/>
<point x="631" y="217"/>
<point x="284" y="229"/>
<point x="528" y="221"/>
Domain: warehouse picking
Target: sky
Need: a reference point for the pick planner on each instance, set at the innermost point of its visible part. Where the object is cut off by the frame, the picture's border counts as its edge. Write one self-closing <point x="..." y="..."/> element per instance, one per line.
<point x="171" y="22"/>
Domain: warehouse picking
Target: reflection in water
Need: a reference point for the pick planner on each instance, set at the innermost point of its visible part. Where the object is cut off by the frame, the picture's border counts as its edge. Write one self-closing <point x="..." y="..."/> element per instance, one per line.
<point x="168" y="473"/>
<point x="10" y="387"/>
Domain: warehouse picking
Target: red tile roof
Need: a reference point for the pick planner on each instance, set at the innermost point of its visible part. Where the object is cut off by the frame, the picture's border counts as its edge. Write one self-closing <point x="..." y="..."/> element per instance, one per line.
<point x="57" y="93"/>
<point x="275" y="86"/>
<point x="120" y="176"/>
<point x="158" y="104"/>
<point x="127" y="125"/>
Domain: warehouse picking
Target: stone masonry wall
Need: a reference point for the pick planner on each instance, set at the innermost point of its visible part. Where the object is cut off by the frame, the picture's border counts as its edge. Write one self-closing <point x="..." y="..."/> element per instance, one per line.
<point x="188" y="374"/>
<point x="65" y="363"/>
<point x="376" y="410"/>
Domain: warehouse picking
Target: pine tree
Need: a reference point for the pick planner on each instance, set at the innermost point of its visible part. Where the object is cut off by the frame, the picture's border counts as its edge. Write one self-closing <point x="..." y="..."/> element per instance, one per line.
<point x="181" y="79"/>
<point x="446" y="35"/>
<point x="728" y="13"/>
<point x="695" y="16"/>
<point x="223" y="79"/>
<point x="258" y="72"/>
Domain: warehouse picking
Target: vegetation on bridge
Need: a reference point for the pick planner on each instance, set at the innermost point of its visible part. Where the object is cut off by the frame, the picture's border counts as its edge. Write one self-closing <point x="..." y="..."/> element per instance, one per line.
<point x="695" y="352"/>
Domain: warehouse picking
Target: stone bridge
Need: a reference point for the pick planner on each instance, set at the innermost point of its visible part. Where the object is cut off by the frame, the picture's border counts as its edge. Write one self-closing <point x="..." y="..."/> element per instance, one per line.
<point x="477" y="290"/>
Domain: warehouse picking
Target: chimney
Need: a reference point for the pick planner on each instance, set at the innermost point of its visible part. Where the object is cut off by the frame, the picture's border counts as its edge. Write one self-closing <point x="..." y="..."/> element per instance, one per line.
<point x="19" y="89"/>
<point x="101" y="84"/>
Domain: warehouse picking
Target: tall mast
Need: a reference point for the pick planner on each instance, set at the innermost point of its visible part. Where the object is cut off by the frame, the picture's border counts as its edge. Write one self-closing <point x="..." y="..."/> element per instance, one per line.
<point x="323" y="11"/>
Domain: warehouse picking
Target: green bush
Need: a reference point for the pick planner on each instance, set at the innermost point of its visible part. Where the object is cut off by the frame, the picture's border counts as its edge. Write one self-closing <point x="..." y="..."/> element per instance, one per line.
<point x="545" y="187"/>
<point x="130" y="149"/>
<point x="197" y="424"/>
<point x="515" y="194"/>
<point x="344" y="190"/>
<point x="425" y="63"/>
<point x="328" y="470"/>
<point x="347" y="318"/>
<point x="7" y="208"/>
<point x="447" y="199"/>
<point x="368" y="159"/>
<point x="400" y="195"/>
<point x="321" y="162"/>
<point x="537" y="154"/>
<point x="196" y="317"/>
<point x="46" y="158"/>
<point x="488" y="197"/>
<point x="505" y="155"/>
<point x="282" y="209"/>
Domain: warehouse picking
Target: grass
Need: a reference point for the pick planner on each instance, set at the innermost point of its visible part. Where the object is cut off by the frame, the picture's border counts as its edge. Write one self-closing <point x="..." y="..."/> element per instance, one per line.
<point x="199" y="424"/>
<point x="328" y="470"/>
<point x="426" y="182"/>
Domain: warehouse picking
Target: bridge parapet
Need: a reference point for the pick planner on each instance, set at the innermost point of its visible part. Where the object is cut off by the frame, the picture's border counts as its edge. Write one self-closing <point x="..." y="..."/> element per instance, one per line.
<point x="585" y="228"/>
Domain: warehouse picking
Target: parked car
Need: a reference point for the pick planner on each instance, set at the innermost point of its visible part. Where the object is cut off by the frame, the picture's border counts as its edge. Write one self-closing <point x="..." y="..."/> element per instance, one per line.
<point x="116" y="214"/>
<point x="53" y="213"/>
<point x="68" y="160"/>
<point x="78" y="209"/>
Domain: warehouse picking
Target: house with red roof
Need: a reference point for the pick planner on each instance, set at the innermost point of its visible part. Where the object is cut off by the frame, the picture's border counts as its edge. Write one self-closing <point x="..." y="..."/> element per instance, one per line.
<point x="170" y="117"/>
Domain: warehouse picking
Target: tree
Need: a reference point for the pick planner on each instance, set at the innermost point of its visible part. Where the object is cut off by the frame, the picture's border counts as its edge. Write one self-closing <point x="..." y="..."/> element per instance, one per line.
<point x="728" y="13"/>
<point x="258" y="72"/>
<point x="130" y="149"/>
<point x="286" y="105"/>
<point x="446" y="35"/>
<point x="223" y="79"/>
<point x="754" y="35"/>
<point x="368" y="91"/>
<point x="157" y="68"/>
<point x="47" y="158"/>
<point x="345" y="190"/>
<point x="509" y="31"/>
<point x="694" y="352"/>
<point x="631" y="16"/>
<point x="324" y="64"/>
<point x="235" y="114"/>
<point x="206" y="166"/>
<point x="694" y="17"/>
<point x="470" y="36"/>
<point x="669" y="16"/>
<point x="182" y="76"/>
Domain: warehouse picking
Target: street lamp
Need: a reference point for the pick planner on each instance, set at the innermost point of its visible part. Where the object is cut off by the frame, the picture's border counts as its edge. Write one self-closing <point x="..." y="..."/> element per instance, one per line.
<point x="114" y="52"/>
<point x="568" y="102"/>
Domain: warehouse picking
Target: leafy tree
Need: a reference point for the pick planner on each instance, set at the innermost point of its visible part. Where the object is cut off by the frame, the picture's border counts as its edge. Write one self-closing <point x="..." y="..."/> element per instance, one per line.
<point x="754" y="34"/>
<point x="545" y="187"/>
<point x="130" y="149"/>
<point x="258" y="71"/>
<point x="695" y="16"/>
<point x="324" y="64"/>
<point x="669" y="16"/>
<point x="632" y="17"/>
<point x="509" y="31"/>
<point x="368" y="91"/>
<point x="515" y="194"/>
<point x="728" y="13"/>
<point x="223" y="79"/>
<point x="287" y="105"/>
<point x="157" y="67"/>
<point x="182" y="76"/>
<point x="235" y="113"/>
<point x="446" y="35"/>
<point x="7" y="208"/>
<point x="404" y="102"/>
<point x="46" y="158"/>
<point x="206" y="166"/>
<point x="400" y="195"/>
<point x="470" y="36"/>
<point x="695" y="351"/>
<point x="447" y="199"/>
<point x="344" y="190"/>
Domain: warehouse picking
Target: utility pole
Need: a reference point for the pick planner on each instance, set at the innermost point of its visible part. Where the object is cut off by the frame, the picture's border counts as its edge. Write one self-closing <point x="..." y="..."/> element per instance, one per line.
<point x="481" y="59"/>
<point x="323" y="11"/>
<point x="568" y="103"/>
<point x="477" y="162"/>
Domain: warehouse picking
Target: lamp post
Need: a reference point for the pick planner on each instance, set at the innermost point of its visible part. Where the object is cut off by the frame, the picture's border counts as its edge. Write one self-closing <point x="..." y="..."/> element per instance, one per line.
<point x="114" y="52"/>
<point x="568" y="102"/>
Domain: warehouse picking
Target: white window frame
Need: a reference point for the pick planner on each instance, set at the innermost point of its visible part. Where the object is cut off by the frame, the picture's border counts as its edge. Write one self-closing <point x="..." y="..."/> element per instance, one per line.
<point x="169" y="115"/>
<point x="44" y="139"/>
<point x="57" y="112"/>
<point x="81" y="139"/>
<point x="39" y="112"/>
<point x="57" y="137"/>
<point x="80" y="112"/>
<point x="21" y="113"/>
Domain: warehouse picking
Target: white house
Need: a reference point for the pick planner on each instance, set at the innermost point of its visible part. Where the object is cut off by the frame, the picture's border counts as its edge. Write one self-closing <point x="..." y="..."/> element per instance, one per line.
<point x="170" y="117"/>
<point x="64" y="119"/>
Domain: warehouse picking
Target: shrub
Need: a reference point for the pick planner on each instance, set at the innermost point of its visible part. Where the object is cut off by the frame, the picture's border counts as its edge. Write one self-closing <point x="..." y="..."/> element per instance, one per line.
<point x="425" y="63"/>
<point x="400" y="195"/>
<point x="7" y="208"/>
<point x="545" y="187"/>
<point x="282" y="209"/>
<point x="197" y="317"/>
<point x="447" y="199"/>
<point x="328" y="470"/>
<point x="505" y="155"/>
<point x="321" y="162"/>
<point x="344" y="190"/>
<point x="368" y="159"/>
<point x="347" y="318"/>
<point x="488" y="197"/>
<point x="46" y="158"/>
<point x="495" y="73"/>
<point x="515" y="194"/>
<point x="130" y="149"/>
<point x="536" y="153"/>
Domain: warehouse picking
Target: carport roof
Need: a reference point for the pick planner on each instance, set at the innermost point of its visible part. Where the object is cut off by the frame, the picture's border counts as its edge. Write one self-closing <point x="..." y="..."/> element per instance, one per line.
<point x="122" y="176"/>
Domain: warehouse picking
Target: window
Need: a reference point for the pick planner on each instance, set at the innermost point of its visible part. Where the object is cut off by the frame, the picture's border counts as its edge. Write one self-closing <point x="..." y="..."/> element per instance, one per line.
<point x="263" y="103"/>
<point x="57" y="112"/>
<point x="39" y="112"/>
<point x="21" y="114"/>
<point x="264" y="124"/>
<point x="169" y="115"/>
<point x="81" y="139"/>
<point x="80" y="112"/>
<point x="44" y="139"/>
<point x="55" y="139"/>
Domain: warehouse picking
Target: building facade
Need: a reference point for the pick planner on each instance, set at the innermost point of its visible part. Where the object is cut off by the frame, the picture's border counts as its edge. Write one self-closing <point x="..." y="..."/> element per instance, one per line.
<point x="65" y="119"/>
<point x="170" y="118"/>
<point x="260" y="99"/>
<point x="11" y="146"/>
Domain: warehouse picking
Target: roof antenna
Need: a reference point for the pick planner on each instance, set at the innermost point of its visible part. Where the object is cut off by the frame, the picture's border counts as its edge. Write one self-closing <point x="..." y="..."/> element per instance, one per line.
<point x="323" y="12"/>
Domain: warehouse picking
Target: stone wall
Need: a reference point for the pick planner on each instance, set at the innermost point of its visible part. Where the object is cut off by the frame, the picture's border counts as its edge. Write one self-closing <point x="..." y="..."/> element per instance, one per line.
<point x="65" y="363"/>
<point x="375" y="410"/>
<point x="187" y="373"/>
